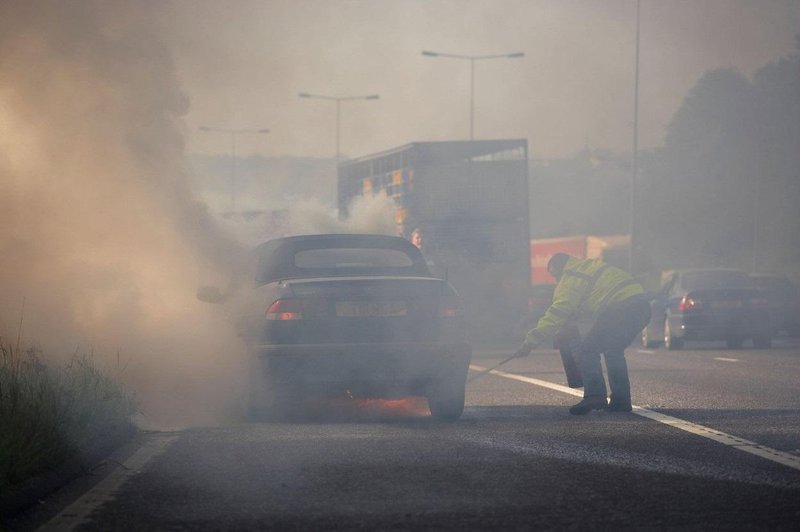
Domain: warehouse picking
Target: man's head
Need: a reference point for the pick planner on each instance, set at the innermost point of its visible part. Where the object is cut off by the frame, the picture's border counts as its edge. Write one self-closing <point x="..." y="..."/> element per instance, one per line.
<point x="416" y="238"/>
<point x="555" y="266"/>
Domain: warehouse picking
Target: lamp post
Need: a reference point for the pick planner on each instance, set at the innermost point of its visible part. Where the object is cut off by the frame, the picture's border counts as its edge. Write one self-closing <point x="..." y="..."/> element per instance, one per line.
<point x="338" y="100"/>
<point x="233" y="133"/>
<point x="472" y="59"/>
<point x="635" y="161"/>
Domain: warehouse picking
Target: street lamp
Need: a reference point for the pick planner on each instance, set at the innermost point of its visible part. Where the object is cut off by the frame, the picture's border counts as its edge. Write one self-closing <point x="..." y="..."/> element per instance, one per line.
<point x="472" y="59"/>
<point x="338" y="100"/>
<point x="233" y="133"/>
<point x="635" y="161"/>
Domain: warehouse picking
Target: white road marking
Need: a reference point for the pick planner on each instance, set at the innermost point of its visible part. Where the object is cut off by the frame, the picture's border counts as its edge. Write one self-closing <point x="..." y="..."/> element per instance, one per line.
<point x="77" y="513"/>
<point x="647" y="351"/>
<point x="780" y="457"/>
<point x="723" y="359"/>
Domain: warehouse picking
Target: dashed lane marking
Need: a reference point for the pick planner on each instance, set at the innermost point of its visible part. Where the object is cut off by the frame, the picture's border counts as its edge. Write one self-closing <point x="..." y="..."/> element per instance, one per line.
<point x="646" y="351"/>
<point x="780" y="457"/>
<point x="723" y="359"/>
<point x="78" y="512"/>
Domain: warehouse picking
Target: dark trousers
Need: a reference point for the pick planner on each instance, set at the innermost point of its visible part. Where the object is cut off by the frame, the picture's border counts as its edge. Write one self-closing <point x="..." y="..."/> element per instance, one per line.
<point x="614" y="329"/>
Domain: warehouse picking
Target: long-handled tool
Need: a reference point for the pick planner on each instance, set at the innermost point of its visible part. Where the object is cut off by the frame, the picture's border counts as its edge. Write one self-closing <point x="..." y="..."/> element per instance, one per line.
<point x="489" y="370"/>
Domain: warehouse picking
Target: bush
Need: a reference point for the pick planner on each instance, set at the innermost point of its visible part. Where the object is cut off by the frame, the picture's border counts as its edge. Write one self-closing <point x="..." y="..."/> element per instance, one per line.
<point x="48" y="416"/>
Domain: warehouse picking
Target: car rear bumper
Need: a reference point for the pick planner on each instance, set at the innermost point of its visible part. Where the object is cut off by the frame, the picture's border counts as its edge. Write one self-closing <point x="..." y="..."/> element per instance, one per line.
<point x="382" y="368"/>
<point x="705" y="328"/>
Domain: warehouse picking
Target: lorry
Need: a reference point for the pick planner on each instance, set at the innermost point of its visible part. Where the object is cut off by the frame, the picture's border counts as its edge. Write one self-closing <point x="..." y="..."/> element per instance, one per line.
<point x="470" y="201"/>
<point x="611" y="248"/>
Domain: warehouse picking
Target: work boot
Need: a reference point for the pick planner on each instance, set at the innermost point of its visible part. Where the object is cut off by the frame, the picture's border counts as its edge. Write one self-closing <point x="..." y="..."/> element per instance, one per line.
<point x="592" y="402"/>
<point x="619" y="405"/>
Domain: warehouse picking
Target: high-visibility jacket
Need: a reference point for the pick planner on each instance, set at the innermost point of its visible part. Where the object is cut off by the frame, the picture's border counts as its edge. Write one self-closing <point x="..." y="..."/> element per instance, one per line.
<point x="587" y="286"/>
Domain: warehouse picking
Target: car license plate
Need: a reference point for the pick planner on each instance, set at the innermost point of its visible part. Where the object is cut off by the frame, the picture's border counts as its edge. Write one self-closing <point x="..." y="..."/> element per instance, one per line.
<point x="354" y="309"/>
<point x="726" y="304"/>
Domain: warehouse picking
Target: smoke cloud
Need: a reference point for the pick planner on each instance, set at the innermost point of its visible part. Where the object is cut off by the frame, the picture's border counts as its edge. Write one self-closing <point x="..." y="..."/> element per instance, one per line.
<point x="101" y="240"/>
<point x="102" y="244"/>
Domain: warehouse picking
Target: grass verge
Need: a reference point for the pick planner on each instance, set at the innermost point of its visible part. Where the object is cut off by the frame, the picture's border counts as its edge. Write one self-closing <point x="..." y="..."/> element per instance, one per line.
<point x="51" y="415"/>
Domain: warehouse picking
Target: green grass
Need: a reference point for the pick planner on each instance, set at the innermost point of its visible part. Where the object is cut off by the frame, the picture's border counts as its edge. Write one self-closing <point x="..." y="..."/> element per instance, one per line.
<point x="50" y="415"/>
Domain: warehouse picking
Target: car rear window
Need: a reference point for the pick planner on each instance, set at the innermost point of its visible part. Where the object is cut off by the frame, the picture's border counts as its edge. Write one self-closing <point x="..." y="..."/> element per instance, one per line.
<point x="348" y="258"/>
<point x="716" y="279"/>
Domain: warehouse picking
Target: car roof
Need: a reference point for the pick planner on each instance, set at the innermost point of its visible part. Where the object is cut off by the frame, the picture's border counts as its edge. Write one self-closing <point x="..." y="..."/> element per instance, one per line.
<point x="276" y="257"/>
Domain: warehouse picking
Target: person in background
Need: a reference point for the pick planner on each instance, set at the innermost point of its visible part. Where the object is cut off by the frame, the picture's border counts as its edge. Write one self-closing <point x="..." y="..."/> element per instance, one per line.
<point x="417" y="238"/>
<point x="619" y="311"/>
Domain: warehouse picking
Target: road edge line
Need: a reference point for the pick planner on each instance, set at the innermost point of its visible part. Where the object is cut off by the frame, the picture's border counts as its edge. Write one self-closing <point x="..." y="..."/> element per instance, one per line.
<point x="76" y="513"/>
<point x="762" y="451"/>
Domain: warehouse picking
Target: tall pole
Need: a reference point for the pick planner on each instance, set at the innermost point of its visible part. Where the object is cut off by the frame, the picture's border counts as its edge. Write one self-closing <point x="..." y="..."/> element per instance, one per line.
<point x="233" y="133"/>
<point x="233" y="171"/>
<point x="472" y="98"/>
<point x="635" y="165"/>
<point x="472" y="59"/>
<point x="338" y="129"/>
<point x="755" y="229"/>
<point x="338" y="100"/>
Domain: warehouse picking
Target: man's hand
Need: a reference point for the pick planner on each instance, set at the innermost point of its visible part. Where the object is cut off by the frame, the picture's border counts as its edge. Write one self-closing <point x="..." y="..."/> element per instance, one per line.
<point x="522" y="352"/>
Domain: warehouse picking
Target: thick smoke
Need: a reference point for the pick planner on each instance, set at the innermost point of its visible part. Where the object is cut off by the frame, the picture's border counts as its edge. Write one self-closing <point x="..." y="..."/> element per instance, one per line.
<point x="103" y="245"/>
<point x="100" y="237"/>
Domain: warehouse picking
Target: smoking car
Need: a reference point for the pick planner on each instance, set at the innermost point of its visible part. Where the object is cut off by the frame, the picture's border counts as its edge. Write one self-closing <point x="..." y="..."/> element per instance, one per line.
<point x="708" y="304"/>
<point x="333" y="313"/>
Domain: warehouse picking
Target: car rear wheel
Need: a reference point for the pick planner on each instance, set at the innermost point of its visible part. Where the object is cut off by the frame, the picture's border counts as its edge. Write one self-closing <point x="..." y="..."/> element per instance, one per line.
<point x="671" y="342"/>
<point x="647" y="340"/>
<point x="447" y="401"/>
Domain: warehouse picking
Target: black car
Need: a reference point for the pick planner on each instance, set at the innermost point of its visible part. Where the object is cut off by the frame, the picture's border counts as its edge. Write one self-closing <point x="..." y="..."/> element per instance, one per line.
<point x="358" y="314"/>
<point x="708" y="304"/>
<point x="783" y="301"/>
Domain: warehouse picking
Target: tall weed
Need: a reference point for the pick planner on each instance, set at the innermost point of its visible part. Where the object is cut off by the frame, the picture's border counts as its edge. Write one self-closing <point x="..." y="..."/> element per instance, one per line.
<point x="49" y="415"/>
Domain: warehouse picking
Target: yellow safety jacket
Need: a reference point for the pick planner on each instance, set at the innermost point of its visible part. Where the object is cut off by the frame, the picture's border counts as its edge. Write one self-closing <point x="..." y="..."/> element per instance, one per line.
<point x="587" y="286"/>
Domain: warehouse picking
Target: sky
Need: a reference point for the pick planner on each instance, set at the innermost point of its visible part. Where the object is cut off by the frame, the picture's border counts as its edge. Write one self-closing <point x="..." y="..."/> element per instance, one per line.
<point x="242" y="64"/>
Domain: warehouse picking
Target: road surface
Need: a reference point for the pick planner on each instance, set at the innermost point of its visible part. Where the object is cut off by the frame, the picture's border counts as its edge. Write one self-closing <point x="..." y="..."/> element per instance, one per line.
<point x="714" y="443"/>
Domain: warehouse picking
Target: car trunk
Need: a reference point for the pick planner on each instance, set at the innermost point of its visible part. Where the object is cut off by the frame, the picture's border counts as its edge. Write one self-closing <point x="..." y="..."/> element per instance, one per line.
<point x="366" y="310"/>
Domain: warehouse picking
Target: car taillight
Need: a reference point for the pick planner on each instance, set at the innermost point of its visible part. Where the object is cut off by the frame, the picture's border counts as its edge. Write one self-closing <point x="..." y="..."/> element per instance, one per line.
<point x="689" y="303"/>
<point x="759" y="303"/>
<point x="449" y="307"/>
<point x="285" y="310"/>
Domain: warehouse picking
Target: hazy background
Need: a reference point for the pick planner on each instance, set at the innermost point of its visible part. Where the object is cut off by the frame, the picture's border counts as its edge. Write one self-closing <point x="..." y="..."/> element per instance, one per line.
<point x="242" y="64"/>
<point x="109" y="194"/>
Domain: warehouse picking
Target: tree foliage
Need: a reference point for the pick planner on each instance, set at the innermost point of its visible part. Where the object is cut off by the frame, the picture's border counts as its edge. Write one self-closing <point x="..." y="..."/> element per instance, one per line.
<point x="724" y="189"/>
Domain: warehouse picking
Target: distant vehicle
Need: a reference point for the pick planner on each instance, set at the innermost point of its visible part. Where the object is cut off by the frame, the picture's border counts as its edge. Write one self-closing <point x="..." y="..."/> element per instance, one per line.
<point x="783" y="301"/>
<point x="471" y="200"/>
<point x="708" y="304"/>
<point x="613" y="249"/>
<point x="359" y="314"/>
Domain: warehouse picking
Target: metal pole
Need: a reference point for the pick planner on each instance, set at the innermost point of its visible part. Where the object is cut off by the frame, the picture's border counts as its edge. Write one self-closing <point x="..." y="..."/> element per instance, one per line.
<point x="233" y="171"/>
<point x="472" y="98"/>
<point x="755" y="229"/>
<point x="635" y="165"/>
<point x="338" y="127"/>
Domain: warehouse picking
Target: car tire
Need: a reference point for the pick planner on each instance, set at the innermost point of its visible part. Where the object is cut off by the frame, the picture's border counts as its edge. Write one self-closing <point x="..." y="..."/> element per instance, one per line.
<point x="446" y="402"/>
<point x="762" y="341"/>
<point x="671" y="343"/>
<point x="647" y="341"/>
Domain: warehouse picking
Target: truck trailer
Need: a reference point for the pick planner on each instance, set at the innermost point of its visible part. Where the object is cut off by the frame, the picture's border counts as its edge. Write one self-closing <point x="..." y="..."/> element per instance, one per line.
<point x="470" y="201"/>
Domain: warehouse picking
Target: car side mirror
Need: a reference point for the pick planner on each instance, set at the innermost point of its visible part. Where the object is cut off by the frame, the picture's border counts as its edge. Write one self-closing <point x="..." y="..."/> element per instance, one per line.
<point x="210" y="294"/>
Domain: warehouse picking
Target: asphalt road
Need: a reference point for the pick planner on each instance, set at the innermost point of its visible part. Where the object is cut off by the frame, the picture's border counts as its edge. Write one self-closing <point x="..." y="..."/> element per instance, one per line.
<point x="516" y="460"/>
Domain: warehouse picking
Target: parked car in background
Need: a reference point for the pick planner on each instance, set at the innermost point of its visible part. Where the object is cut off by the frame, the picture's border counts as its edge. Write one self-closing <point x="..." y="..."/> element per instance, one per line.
<point x="708" y="304"/>
<point x="783" y="301"/>
<point x="332" y="314"/>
